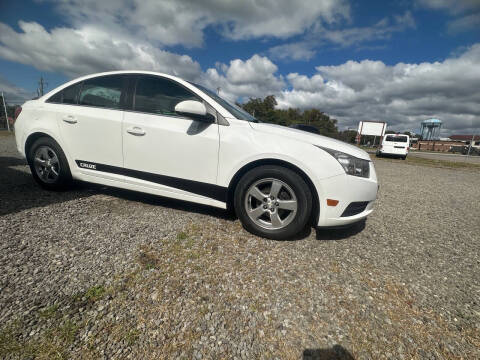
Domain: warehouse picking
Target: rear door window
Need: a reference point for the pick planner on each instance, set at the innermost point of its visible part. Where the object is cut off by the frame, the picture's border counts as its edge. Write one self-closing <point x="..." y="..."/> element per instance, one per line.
<point x="104" y="92"/>
<point x="68" y="95"/>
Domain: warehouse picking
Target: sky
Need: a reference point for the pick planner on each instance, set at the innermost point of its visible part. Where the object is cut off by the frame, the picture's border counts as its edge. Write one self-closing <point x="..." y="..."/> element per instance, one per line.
<point x="399" y="61"/>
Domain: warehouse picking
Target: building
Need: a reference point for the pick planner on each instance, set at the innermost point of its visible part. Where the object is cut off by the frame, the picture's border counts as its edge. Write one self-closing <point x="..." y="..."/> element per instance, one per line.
<point x="466" y="138"/>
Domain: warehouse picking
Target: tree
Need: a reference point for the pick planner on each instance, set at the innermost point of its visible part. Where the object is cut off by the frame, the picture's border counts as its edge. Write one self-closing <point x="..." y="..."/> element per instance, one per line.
<point x="348" y="136"/>
<point x="264" y="110"/>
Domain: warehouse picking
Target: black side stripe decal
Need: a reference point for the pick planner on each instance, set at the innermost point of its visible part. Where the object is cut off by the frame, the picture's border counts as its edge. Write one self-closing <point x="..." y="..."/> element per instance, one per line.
<point x="208" y="190"/>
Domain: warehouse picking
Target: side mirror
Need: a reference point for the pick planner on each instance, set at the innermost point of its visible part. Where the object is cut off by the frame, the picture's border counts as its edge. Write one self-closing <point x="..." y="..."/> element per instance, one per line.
<point x="195" y="110"/>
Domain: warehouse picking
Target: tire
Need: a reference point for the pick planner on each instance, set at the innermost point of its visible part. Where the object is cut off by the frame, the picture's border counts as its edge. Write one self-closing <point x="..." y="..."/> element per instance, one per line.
<point x="281" y="217"/>
<point x="48" y="164"/>
<point x="404" y="157"/>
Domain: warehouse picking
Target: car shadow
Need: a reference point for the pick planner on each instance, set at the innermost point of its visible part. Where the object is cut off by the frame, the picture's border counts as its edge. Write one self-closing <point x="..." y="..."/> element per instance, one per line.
<point x="158" y="200"/>
<point x="337" y="352"/>
<point x="340" y="233"/>
<point x="18" y="190"/>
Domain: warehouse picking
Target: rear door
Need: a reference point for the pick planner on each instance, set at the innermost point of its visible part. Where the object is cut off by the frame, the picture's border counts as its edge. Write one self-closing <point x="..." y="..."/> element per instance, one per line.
<point x="164" y="150"/>
<point x="90" y="121"/>
<point x="396" y="144"/>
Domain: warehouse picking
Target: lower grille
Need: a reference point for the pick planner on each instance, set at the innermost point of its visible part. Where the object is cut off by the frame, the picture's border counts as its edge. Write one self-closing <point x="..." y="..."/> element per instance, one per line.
<point x="355" y="208"/>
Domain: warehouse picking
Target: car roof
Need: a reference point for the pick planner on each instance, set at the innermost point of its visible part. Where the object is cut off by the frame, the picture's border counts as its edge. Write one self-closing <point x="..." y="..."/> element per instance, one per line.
<point x="220" y="108"/>
<point x="117" y="72"/>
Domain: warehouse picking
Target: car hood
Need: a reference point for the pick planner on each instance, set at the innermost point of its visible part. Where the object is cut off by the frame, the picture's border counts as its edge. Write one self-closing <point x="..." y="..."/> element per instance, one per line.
<point x="313" y="139"/>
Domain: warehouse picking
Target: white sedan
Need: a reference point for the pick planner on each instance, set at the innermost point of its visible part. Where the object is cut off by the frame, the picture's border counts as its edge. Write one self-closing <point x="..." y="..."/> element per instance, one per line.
<point x="162" y="135"/>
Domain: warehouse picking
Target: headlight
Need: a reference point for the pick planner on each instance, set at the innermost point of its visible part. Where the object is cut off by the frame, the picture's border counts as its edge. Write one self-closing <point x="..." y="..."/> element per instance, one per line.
<point x="351" y="164"/>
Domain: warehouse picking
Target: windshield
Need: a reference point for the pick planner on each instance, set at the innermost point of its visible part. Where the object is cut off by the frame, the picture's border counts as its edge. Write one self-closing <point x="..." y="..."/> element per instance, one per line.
<point x="396" y="138"/>
<point x="233" y="109"/>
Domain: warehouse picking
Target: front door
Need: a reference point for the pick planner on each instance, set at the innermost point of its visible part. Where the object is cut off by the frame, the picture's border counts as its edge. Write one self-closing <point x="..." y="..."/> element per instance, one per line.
<point x="164" y="150"/>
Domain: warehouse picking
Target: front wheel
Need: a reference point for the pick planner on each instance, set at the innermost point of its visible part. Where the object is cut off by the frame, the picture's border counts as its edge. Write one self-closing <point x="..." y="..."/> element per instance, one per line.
<point x="273" y="202"/>
<point x="49" y="165"/>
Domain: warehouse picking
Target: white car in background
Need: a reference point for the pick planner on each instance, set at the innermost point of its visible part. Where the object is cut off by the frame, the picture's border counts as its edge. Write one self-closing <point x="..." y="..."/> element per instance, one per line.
<point x="395" y="145"/>
<point x="162" y="135"/>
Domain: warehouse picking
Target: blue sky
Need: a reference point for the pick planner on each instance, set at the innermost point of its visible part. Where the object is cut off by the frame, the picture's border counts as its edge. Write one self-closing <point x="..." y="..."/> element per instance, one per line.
<point x="355" y="60"/>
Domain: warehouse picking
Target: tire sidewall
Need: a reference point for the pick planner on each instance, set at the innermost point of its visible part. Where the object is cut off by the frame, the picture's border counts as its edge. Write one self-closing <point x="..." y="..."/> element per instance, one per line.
<point x="292" y="179"/>
<point x="65" y="176"/>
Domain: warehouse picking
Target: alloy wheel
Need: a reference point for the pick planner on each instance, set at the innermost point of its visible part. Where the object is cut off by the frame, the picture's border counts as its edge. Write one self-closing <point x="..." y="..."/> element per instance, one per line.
<point x="47" y="165"/>
<point x="271" y="203"/>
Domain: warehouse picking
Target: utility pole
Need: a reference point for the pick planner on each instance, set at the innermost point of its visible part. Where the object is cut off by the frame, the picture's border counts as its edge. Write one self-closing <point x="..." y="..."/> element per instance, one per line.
<point x="41" y="86"/>
<point x="5" y="108"/>
<point x="470" y="147"/>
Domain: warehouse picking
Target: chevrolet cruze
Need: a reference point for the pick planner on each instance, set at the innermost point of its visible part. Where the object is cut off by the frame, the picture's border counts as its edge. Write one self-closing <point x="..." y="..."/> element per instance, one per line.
<point x="162" y="135"/>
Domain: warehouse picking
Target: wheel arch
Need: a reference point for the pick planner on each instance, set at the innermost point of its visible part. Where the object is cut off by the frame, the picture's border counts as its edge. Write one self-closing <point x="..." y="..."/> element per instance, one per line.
<point x="243" y="170"/>
<point x="32" y="138"/>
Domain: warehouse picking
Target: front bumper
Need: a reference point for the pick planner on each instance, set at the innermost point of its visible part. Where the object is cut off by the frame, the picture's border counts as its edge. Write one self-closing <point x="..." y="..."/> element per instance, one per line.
<point x="355" y="195"/>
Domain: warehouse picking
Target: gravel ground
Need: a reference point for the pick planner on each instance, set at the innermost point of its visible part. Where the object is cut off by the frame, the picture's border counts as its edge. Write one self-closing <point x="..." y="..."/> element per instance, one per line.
<point x="104" y="273"/>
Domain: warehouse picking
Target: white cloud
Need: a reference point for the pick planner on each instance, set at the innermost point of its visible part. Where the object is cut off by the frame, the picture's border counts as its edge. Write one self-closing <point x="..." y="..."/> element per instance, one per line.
<point x="295" y="51"/>
<point x="171" y="22"/>
<point x="255" y="77"/>
<point x="304" y="83"/>
<point x="402" y="95"/>
<point x="466" y="13"/>
<point x="352" y="36"/>
<point x="453" y="6"/>
<point x="465" y="23"/>
<point x="87" y="50"/>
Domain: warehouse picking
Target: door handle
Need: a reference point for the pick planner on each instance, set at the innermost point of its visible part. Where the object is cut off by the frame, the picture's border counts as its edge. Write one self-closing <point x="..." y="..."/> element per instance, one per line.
<point x="136" y="131"/>
<point x="69" y="119"/>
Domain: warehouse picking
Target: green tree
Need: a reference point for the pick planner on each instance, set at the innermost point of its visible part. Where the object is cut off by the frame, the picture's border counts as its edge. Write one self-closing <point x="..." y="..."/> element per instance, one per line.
<point x="264" y="110"/>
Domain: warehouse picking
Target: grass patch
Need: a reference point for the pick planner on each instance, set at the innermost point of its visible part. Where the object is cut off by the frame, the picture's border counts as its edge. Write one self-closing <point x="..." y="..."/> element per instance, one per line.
<point x="48" y="312"/>
<point x="148" y="259"/>
<point x="442" y="163"/>
<point x="91" y="294"/>
<point x="132" y="337"/>
<point x="95" y="293"/>
<point x="8" y="340"/>
<point x="414" y="160"/>
<point x="67" y="331"/>
<point x="182" y="235"/>
<point x="52" y="344"/>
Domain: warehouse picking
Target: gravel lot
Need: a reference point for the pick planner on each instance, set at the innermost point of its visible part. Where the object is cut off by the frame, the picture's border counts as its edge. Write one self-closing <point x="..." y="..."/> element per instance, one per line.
<point x="104" y="273"/>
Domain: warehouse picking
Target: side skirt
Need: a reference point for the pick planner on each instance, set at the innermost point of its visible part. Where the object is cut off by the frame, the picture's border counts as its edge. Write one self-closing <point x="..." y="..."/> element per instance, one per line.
<point x="211" y="191"/>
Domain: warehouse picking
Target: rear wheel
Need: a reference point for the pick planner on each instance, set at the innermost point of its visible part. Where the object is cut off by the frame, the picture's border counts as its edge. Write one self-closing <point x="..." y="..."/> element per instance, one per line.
<point x="49" y="165"/>
<point x="404" y="157"/>
<point x="273" y="202"/>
